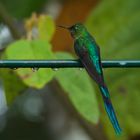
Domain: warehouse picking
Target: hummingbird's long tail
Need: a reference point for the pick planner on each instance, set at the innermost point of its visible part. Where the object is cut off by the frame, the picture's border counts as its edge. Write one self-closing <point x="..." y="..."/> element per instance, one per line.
<point x="109" y="109"/>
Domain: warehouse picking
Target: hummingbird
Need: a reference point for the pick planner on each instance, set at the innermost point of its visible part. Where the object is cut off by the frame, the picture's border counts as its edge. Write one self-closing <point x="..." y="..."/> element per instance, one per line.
<point x="88" y="52"/>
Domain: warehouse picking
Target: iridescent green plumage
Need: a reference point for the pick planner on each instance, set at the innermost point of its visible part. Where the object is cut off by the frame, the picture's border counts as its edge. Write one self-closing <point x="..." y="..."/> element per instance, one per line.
<point x="89" y="53"/>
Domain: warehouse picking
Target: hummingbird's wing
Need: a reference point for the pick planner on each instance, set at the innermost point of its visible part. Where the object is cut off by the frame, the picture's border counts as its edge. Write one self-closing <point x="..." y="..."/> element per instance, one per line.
<point x="87" y="61"/>
<point x="94" y="68"/>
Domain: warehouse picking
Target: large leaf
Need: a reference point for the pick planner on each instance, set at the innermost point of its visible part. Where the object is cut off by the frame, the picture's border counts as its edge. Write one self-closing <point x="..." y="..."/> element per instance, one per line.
<point x="38" y="49"/>
<point x="115" y="25"/>
<point x="40" y="27"/>
<point x="80" y="90"/>
<point x="46" y="32"/>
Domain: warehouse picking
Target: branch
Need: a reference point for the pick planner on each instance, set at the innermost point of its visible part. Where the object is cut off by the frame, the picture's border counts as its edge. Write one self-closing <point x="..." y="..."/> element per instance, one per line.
<point x="7" y="19"/>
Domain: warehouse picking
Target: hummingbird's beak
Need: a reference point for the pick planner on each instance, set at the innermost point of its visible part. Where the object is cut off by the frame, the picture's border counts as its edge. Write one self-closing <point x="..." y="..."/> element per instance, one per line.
<point x="64" y="27"/>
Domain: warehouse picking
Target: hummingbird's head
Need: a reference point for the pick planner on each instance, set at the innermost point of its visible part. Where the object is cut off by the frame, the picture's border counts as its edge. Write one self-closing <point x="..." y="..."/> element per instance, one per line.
<point x="78" y="30"/>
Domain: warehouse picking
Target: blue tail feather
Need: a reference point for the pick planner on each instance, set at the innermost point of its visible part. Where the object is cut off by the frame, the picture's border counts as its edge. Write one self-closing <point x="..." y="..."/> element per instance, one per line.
<point x="110" y="110"/>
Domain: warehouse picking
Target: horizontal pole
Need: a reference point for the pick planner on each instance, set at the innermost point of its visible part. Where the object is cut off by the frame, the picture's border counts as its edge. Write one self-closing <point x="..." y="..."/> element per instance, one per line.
<point x="65" y="64"/>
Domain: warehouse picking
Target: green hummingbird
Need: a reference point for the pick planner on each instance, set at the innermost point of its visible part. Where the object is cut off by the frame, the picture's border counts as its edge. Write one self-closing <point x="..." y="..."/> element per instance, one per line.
<point x="88" y="51"/>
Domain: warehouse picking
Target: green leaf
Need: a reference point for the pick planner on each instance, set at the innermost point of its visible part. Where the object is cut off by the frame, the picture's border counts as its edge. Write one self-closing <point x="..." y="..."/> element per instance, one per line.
<point x="46" y="27"/>
<point x="80" y="90"/>
<point x="115" y="25"/>
<point x="13" y="86"/>
<point x="31" y="50"/>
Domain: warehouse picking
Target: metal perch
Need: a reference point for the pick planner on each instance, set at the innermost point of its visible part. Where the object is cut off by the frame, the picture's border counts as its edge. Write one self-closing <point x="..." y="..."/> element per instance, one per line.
<point x="65" y="64"/>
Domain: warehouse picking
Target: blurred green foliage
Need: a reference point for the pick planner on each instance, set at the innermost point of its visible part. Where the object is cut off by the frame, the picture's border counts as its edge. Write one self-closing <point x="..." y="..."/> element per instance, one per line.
<point x="115" y="26"/>
<point x="29" y="49"/>
<point x="46" y="32"/>
<point x="40" y="48"/>
<point x="80" y="90"/>
<point x="36" y="49"/>
<point x="22" y="8"/>
<point x="13" y="86"/>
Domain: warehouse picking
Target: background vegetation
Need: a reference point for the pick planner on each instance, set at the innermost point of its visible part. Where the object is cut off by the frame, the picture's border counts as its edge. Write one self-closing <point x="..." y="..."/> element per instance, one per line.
<point x="66" y="103"/>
